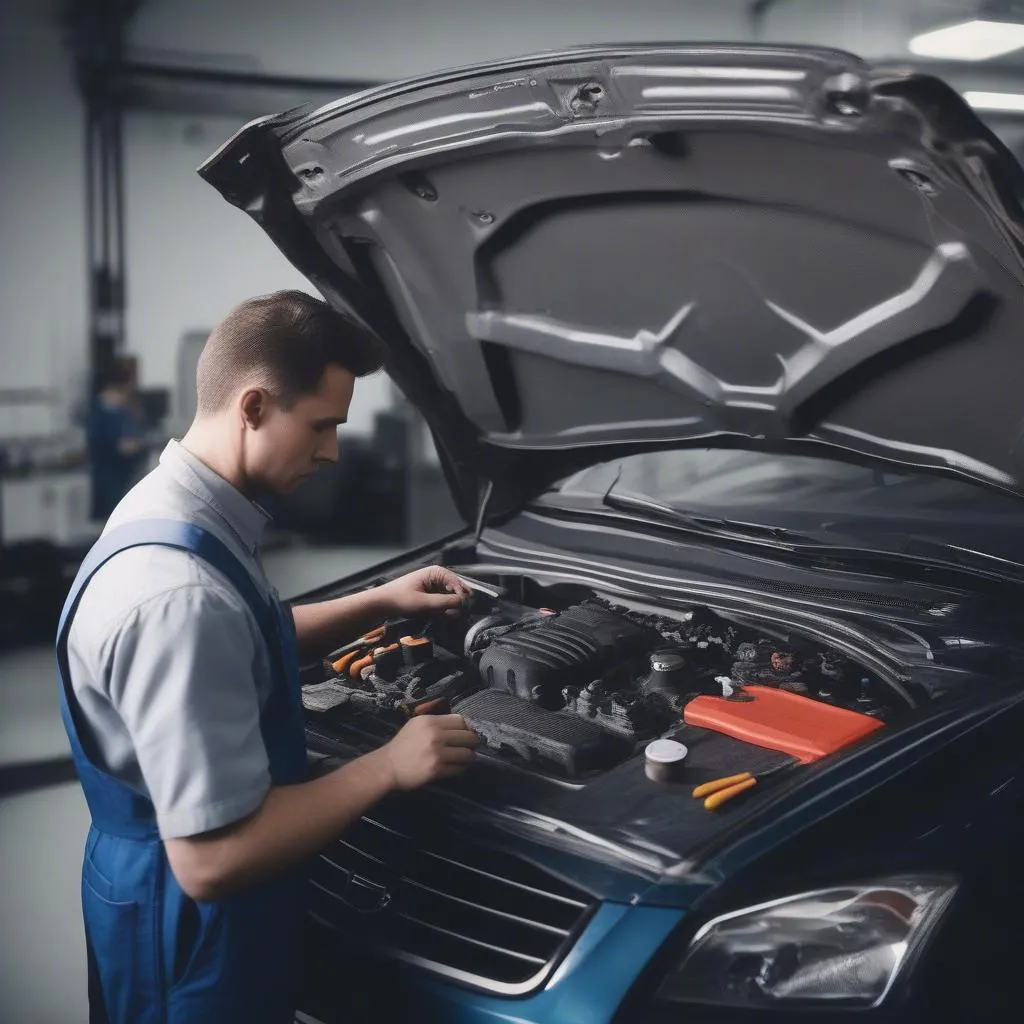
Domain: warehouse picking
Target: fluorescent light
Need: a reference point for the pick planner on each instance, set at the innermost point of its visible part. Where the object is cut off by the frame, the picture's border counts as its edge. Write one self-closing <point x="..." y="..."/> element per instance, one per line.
<point x="996" y="100"/>
<point x="970" y="40"/>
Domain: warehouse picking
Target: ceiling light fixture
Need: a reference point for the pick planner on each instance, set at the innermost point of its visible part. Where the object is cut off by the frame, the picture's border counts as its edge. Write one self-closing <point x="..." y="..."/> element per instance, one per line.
<point x="970" y="40"/>
<point x="1011" y="101"/>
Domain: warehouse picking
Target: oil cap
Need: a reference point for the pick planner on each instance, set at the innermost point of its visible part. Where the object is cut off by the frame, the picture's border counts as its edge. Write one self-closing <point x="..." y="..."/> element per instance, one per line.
<point x="663" y="760"/>
<point x="668" y="674"/>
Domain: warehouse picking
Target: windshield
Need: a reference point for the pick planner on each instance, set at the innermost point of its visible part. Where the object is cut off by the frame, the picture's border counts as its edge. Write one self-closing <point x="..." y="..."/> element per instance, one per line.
<point x="799" y="492"/>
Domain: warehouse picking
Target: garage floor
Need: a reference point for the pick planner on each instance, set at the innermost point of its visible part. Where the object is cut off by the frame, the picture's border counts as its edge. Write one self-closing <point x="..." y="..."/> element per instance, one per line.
<point x="42" y="969"/>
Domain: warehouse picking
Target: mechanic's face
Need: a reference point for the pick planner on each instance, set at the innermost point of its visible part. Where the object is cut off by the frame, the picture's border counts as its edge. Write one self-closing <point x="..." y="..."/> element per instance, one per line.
<point x="288" y="445"/>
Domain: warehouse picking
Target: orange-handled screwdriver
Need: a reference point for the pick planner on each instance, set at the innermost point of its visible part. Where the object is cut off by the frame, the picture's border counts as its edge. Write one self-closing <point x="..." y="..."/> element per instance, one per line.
<point x="718" y="791"/>
<point x="719" y="797"/>
<point x="717" y="785"/>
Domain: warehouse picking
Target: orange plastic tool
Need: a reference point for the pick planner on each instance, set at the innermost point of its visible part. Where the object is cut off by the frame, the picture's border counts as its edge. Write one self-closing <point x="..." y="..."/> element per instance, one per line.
<point x="718" y="791"/>
<point x="804" y="728"/>
<point x="429" y="706"/>
<point x="345" y="660"/>
<point x="718" y="798"/>
<point x="350" y="651"/>
<point x="713" y="787"/>
<point x="414" y="641"/>
<point x="357" y="666"/>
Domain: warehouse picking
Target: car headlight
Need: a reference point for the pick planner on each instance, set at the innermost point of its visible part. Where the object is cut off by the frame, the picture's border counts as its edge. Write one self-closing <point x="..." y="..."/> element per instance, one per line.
<point x="842" y="945"/>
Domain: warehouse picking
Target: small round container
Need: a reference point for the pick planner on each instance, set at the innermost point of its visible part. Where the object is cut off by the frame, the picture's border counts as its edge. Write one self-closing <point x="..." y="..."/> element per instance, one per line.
<point x="663" y="760"/>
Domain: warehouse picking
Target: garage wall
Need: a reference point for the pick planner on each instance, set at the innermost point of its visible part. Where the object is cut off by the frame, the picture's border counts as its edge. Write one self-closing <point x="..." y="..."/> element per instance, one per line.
<point x="395" y="38"/>
<point x="42" y="218"/>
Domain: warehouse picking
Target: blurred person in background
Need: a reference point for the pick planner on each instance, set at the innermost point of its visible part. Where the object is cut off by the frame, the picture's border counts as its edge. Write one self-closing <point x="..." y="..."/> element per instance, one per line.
<point x="116" y="436"/>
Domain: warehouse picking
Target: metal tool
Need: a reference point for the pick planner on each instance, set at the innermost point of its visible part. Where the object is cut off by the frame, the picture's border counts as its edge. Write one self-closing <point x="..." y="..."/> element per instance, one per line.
<point x="718" y="791"/>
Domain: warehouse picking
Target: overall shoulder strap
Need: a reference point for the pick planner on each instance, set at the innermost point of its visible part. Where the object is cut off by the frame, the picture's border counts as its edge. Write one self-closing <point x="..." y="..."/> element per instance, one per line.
<point x="167" y="533"/>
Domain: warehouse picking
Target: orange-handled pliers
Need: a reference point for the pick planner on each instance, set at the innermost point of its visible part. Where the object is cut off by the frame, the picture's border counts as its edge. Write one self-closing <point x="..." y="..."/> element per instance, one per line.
<point x="718" y="791"/>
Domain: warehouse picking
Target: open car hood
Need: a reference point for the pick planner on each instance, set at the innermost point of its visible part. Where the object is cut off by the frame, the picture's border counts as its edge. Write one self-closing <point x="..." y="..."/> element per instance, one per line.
<point x="599" y="250"/>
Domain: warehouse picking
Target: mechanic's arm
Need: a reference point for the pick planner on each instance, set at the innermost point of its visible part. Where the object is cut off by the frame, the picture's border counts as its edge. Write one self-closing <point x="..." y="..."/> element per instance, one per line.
<point x="323" y="626"/>
<point x="182" y="677"/>
<point x="294" y="822"/>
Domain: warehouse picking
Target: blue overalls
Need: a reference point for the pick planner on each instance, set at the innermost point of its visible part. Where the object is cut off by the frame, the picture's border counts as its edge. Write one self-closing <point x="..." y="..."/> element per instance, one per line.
<point x="238" y="961"/>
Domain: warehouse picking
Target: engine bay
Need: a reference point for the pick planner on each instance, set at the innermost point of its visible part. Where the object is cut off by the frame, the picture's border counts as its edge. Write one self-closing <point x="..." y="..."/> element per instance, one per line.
<point x="578" y="687"/>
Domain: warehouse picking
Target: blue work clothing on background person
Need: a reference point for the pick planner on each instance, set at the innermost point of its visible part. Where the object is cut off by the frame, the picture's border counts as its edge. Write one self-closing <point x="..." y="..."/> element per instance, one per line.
<point x="115" y="435"/>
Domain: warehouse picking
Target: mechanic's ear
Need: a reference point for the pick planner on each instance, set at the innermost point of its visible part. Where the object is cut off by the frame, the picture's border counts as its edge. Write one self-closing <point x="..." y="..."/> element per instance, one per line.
<point x="253" y="406"/>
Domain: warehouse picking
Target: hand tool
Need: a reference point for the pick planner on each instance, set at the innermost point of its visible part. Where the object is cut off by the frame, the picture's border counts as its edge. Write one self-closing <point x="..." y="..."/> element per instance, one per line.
<point x="383" y="635"/>
<point x="437" y="706"/>
<point x="416" y="649"/>
<point x="340" y="659"/>
<point x="356" y="667"/>
<point x="718" y="791"/>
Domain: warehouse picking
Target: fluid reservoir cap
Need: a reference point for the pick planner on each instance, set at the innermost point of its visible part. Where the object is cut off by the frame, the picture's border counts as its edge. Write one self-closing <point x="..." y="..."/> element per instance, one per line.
<point x="666" y="661"/>
<point x="665" y="751"/>
<point x="663" y="760"/>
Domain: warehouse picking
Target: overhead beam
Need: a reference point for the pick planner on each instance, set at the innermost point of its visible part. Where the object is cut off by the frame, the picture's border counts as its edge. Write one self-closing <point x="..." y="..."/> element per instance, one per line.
<point x="212" y="91"/>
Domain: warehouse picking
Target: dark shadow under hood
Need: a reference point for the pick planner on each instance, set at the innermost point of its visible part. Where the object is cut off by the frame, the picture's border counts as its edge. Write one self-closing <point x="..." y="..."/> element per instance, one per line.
<point x="614" y="248"/>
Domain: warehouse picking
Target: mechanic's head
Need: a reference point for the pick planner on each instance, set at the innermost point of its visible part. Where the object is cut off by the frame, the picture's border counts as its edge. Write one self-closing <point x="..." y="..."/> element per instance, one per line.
<point x="274" y="382"/>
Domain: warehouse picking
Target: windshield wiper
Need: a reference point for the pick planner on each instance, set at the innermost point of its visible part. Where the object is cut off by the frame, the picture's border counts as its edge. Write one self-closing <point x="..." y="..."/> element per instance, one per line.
<point x="711" y="525"/>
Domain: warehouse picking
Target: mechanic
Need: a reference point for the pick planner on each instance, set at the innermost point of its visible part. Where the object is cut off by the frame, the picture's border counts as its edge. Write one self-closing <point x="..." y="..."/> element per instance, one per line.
<point x="180" y="695"/>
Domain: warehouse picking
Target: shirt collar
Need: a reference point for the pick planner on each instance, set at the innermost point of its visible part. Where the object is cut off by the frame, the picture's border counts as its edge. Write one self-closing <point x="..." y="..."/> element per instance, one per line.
<point x="243" y="516"/>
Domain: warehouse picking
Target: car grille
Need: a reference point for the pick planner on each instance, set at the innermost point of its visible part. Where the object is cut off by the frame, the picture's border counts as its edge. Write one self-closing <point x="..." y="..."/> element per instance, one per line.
<point x="476" y="915"/>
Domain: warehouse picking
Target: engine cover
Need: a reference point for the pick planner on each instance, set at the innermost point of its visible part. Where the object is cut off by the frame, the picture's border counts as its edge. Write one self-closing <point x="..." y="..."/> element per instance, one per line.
<point x="560" y="740"/>
<point x="537" y="660"/>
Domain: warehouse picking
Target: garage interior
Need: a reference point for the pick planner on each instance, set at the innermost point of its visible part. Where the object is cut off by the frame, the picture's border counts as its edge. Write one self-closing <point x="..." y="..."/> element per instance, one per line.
<point x="114" y="247"/>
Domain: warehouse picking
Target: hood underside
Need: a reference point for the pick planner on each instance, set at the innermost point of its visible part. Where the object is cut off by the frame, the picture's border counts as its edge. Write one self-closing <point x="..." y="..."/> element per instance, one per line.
<point x="608" y="249"/>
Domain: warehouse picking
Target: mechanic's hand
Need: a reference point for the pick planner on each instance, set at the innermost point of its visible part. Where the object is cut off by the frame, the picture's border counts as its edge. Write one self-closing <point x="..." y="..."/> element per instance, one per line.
<point x="432" y="590"/>
<point x="428" y="748"/>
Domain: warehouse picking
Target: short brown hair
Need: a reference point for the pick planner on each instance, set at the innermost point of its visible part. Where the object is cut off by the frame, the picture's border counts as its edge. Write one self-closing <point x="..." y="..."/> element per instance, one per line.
<point x="282" y="342"/>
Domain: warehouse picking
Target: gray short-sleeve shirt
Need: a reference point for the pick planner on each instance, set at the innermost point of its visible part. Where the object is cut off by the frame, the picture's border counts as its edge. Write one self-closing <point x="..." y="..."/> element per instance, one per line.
<point x="167" y="662"/>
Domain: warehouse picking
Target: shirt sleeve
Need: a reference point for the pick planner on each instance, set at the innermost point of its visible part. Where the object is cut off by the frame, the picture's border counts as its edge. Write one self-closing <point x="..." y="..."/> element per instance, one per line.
<point x="182" y="677"/>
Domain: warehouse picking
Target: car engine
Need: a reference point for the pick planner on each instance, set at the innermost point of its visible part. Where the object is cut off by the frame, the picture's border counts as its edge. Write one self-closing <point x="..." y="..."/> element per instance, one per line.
<point x="578" y="689"/>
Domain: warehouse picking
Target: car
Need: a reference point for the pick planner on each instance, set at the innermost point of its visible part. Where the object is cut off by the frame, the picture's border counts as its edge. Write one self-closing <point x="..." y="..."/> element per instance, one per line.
<point x="721" y="349"/>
